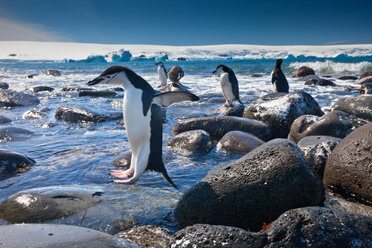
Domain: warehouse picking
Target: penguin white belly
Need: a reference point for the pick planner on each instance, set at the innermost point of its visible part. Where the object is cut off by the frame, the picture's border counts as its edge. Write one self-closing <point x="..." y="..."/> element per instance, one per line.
<point x="137" y="125"/>
<point x="162" y="76"/>
<point x="226" y="87"/>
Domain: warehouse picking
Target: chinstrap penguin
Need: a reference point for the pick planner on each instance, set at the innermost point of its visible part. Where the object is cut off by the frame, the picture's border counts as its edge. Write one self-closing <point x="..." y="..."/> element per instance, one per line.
<point x="142" y="120"/>
<point x="229" y="84"/>
<point x="278" y="79"/>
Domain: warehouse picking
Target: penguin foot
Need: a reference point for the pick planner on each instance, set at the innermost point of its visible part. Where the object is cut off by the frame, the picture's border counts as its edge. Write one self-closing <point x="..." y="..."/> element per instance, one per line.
<point x="121" y="173"/>
<point x="128" y="181"/>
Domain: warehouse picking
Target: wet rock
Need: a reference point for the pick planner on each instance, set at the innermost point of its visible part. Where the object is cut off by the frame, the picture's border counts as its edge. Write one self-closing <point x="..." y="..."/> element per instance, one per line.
<point x="123" y="161"/>
<point x="12" y="163"/>
<point x="33" y="114"/>
<point x="359" y="106"/>
<point x="366" y="74"/>
<point x="146" y="236"/>
<point x="279" y="110"/>
<point x="97" y="93"/>
<point x="53" y="73"/>
<point x="365" y="80"/>
<point x="58" y="236"/>
<point x="347" y="78"/>
<point x="43" y="204"/>
<point x="349" y="167"/>
<point x="257" y="188"/>
<point x="336" y="202"/>
<point x="335" y="123"/>
<point x="84" y="115"/>
<point x="191" y="141"/>
<point x="317" y="150"/>
<point x="42" y="88"/>
<point x="304" y="71"/>
<point x="4" y="85"/>
<point x="11" y="98"/>
<point x="303" y="227"/>
<point x="218" y="126"/>
<point x="236" y="110"/>
<point x="14" y="134"/>
<point x="238" y="142"/>
<point x="4" y="120"/>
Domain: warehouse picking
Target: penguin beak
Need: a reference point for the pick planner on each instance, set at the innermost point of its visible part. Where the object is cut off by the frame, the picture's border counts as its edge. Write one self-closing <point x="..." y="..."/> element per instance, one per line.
<point x="95" y="81"/>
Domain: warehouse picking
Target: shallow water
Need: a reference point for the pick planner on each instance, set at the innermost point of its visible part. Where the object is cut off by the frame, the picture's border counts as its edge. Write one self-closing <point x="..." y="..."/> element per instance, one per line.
<point x="71" y="154"/>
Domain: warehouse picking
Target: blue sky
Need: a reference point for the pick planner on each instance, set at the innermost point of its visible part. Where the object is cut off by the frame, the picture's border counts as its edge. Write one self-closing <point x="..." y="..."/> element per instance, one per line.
<point x="188" y="22"/>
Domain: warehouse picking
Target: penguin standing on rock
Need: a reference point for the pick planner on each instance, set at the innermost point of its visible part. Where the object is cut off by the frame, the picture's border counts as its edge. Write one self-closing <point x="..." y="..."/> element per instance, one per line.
<point x="278" y="79"/>
<point x="143" y="121"/>
<point x="229" y="84"/>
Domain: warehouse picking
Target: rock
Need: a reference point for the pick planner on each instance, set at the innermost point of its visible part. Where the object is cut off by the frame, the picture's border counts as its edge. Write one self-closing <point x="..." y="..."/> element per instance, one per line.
<point x="324" y="82"/>
<point x="238" y="142"/>
<point x="4" y="120"/>
<point x="220" y="125"/>
<point x="359" y="106"/>
<point x="347" y="78"/>
<point x="11" y="98"/>
<point x="84" y="115"/>
<point x="33" y="114"/>
<point x="42" y="88"/>
<point x="123" y="161"/>
<point x="336" y="202"/>
<point x="236" y="110"/>
<point x="303" y="227"/>
<point x="58" y="236"/>
<point x="53" y="73"/>
<point x="317" y="150"/>
<point x="304" y="71"/>
<point x="97" y="93"/>
<point x="14" y="134"/>
<point x="146" y="236"/>
<point x="44" y="204"/>
<point x="349" y="167"/>
<point x="366" y="74"/>
<point x="257" y="188"/>
<point x="4" y="85"/>
<point x="12" y="163"/>
<point x="279" y="110"/>
<point x="335" y="123"/>
<point x="191" y="141"/>
<point x="365" y="80"/>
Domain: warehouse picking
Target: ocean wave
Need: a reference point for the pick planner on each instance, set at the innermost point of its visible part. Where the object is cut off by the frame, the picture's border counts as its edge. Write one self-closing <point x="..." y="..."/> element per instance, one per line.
<point x="329" y="66"/>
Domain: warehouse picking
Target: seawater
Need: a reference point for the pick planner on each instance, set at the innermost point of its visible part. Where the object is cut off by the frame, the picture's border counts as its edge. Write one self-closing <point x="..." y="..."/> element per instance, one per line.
<point x="76" y="154"/>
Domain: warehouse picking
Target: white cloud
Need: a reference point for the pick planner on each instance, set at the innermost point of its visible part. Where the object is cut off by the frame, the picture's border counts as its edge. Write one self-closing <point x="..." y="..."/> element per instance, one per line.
<point x="21" y="31"/>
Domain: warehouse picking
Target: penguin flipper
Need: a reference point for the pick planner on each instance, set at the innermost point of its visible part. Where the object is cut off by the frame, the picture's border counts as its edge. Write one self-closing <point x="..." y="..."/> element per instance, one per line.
<point x="167" y="98"/>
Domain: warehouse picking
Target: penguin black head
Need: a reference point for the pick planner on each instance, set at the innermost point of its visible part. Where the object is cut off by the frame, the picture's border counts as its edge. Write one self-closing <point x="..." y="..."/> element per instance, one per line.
<point x="278" y="63"/>
<point x="221" y="69"/>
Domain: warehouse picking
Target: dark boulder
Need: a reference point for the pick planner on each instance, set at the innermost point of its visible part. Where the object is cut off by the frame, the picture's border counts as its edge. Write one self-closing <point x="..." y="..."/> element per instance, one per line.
<point x="43" y="204"/>
<point x="279" y="110"/>
<point x="349" y="167"/>
<point x="42" y="88"/>
<point x="238" y="142"/>
<point x="4" y="85"/>
<point x="360" y="106"/>
<point x="12" y="163"/>
<point x="317" y="150"/>
<point x="84" y="115"/>
<point x="335" y="123"/>
<point x="14" y="134"/>
<point x="53" y="73"/>
<point x="304" y="71"/>
<point x="302" y="227"/>
<point x="191" y="141"/>
<point x="57" y="236"/>
<point x="257" y="188"/>
<point x="97" y="93"/>
<point x="218" y="126"/>
<point x="11" y="98"/>
<point x="4" y="120"/>
<point x="348" y="78"/>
